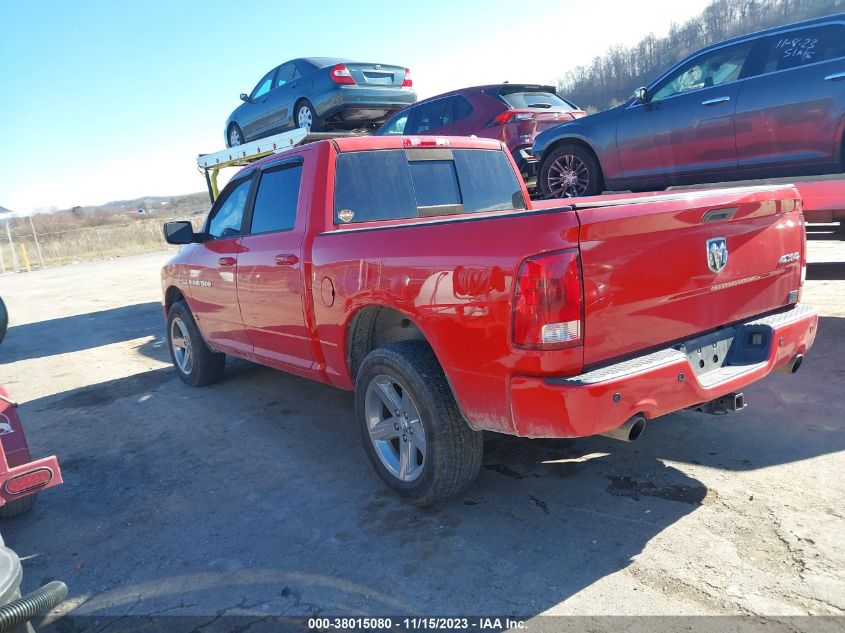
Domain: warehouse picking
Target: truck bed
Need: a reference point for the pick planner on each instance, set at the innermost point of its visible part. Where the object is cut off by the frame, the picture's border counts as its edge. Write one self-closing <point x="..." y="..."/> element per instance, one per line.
<point x="823" y="197"/>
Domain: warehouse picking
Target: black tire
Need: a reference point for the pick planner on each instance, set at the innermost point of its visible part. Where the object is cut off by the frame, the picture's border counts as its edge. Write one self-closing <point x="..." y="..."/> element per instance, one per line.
<point x="556" y="162"/>
<point x="17" y="507"/>
<point x="4" y="320"/>
<point x="234" y="136"/>
<point x="206" y="367"/>
<point x="453" y="450"/>
<point x="317" y="124"/>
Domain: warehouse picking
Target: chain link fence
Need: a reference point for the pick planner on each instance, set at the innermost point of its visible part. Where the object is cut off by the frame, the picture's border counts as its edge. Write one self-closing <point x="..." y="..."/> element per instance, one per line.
<point x="22" y="251"/>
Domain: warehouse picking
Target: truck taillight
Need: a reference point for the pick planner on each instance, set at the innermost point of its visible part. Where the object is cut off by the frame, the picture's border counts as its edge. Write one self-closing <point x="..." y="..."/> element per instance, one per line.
<point x="547" y="302"/>
<point x="407" y="82"/>
<point x="32" y="480"/>
<point x="340" y="75"/>
<point x="512" y="115"/>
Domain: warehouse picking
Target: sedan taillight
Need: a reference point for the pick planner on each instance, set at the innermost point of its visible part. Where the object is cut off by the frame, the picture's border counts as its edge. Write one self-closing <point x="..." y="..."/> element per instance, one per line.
<point x="407" y="82"/>
<point x="547" y="302"/>
<point x="340" y="75"/>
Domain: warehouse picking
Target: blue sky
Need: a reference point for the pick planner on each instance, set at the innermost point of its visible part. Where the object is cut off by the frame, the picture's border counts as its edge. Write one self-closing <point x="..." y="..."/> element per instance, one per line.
<point x="114" y="100"/>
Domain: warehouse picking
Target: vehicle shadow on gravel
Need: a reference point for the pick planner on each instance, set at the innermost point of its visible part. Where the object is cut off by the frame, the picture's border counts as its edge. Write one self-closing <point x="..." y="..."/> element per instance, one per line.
<point x="254" y="496"/>
<point x="93" y="329"/>
<point x="256" y="492"/>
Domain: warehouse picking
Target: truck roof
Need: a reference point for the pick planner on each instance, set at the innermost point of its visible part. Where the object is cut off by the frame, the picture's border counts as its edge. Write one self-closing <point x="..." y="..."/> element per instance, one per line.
<point x="364" y="143"/>
<point x="376" y="143"/>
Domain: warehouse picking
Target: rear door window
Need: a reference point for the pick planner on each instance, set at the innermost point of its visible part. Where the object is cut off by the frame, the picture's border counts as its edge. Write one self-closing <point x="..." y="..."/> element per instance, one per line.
<point x="429" y="116"/>
<point x="400" y="184"/>
<point x="287" y="72"/>
<point x="277" y="198"/>
<point x="461" y="108"/>
<point x="802" y="47"/>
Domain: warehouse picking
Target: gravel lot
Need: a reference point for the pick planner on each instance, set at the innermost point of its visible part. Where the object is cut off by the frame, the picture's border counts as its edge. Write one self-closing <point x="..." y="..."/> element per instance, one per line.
<point x="254" y="496"/>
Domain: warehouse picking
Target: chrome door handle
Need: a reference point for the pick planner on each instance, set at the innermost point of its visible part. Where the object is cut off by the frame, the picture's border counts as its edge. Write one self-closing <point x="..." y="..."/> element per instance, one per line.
<point x="286" y="259"/>
<point x="835" y="76"/>
<point x="715" y="101"/>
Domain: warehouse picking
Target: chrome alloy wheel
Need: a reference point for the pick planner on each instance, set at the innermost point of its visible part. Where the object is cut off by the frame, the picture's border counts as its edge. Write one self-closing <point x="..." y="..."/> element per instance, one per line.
<point x="395" y="428"/>
<point x="568" y="177"/>
<point x="303" y="117"/>
<point x="180" y="342"/>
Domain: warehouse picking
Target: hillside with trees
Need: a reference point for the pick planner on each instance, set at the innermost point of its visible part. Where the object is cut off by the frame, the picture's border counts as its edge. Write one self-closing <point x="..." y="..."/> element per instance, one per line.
<point x="610" y="79"/>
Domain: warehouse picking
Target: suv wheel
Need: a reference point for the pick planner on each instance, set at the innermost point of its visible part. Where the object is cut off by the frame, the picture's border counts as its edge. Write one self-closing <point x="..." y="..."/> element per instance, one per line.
<point x="413" y="432"/>
<point x="195" y="363"/>
<point x="570" y="171"/>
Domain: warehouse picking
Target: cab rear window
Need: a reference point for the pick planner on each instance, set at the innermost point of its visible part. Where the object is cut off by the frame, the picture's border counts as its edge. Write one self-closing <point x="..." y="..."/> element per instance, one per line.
<point x="399" y="184"/>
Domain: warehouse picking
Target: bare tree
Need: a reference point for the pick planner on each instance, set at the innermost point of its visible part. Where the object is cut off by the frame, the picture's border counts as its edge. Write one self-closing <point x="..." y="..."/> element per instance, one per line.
<point x="609" y="80"/>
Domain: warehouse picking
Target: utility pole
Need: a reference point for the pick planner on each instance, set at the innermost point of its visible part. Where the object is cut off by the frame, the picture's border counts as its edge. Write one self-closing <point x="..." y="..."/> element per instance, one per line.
<point x="100" y="244"/>
<point x="12" y="247"/>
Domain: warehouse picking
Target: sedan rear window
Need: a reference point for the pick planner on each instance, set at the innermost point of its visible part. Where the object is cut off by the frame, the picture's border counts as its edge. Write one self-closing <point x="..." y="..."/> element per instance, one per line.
<point x="398" y="184"/>
<point x="521" y="99"/>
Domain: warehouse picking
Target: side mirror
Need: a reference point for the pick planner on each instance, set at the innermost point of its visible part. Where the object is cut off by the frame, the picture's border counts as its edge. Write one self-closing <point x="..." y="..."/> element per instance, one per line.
<point x="641" y="95"/>
<point x="245" y="97"/>
<point x="181" y="232"/>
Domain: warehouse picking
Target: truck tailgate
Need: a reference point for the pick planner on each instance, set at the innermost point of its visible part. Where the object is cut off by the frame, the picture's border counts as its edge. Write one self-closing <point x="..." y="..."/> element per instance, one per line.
<point x="663" y="268"/>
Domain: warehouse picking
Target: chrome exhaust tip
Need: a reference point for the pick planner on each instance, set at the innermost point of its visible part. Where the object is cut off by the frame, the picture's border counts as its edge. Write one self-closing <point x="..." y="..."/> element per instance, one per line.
<point x="794" y="365"/>
<point x="630" y="431"/>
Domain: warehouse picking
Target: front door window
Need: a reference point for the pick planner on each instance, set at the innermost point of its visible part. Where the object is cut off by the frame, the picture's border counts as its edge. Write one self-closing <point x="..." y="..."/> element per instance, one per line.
<point x="228" y="217"/>
<point x="710" y="69"/>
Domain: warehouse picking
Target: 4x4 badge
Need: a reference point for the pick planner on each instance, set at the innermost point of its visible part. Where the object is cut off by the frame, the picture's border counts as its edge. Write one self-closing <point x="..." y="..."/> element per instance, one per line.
<point x="717" y="253"/>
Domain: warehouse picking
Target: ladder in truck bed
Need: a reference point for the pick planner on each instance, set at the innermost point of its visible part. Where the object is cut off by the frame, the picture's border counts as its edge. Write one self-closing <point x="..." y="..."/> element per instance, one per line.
<point x="242" y="155"/>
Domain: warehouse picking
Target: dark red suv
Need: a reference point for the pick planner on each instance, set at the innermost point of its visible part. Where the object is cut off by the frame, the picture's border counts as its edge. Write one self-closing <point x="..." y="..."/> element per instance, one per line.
<point x="511" y="113"/>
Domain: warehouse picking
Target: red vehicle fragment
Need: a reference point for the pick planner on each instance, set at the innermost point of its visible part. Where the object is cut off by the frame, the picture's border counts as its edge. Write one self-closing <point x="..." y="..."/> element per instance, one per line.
<point x="824" y="200"/>
<point x="20" y="475"/>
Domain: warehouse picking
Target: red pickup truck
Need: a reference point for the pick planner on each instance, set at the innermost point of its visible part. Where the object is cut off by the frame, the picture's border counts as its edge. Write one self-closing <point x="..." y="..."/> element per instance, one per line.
<point x="417" y="272"/>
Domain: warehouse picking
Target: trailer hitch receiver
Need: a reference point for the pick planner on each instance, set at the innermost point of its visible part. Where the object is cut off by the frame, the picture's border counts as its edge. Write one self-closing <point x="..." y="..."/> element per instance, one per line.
<point x="728" y="403"/>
